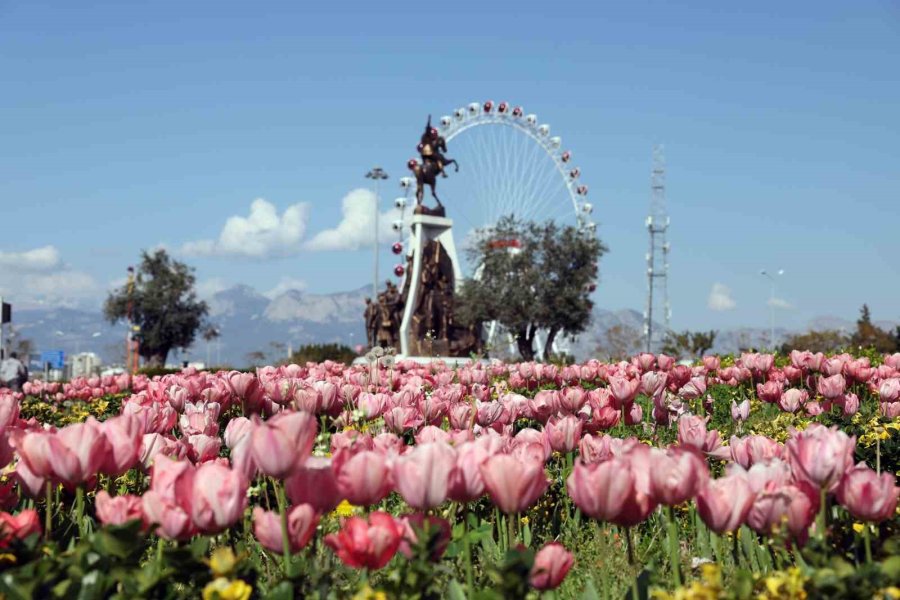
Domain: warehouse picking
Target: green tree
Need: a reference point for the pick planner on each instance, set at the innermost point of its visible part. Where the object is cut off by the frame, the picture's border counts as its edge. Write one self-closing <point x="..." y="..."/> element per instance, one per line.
<point x="826" y="341"/>
<point x="321" y="353"/>
<point x="869" y="335"/>
<point x="163" y="304"/>
<point x="689" y="343"/>
<point x="531" y="277"/>
<point x="619" y="342"/>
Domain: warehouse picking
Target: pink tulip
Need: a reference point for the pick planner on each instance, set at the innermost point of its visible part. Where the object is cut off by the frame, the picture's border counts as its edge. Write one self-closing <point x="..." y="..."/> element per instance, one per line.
<point x="203" y="448"/>
<point x="33" y="485"/>
<point x="9" y="410"/>
<point x="513" y="485"/>
<point x="769" y="391"/>
<point x="752" y="449"/>
<point x="665" y="362"/>
<point x="889" y="390"/>
<point x="314" y="483"/>
<point x="283" y="443"/>
<point x="118" y="510"/>
<point x="820" y="455"/>
<point x="219" y="497"/>
<point x="867" y="495"/>
<point x="421" y="476"/>
<point x="563" y="433"/>
<point x="676" y="475"/>
<point x="551" y="565"/>
<point x="623" y="390"/>
<point x="155" y="444"/>
<point x="762" y="474"/>
<point x="238" y="436"/>
<point x="123" y="434"/>
<point x="466" y="483"/>
<point x="791" y="400"/>
<point x="77" y="452"/>
<point x="653" y="384"/>
<point x="740" y="412"/>
<point x="436" y="530"/>
<point x="20" y="526"/>
<point x="712" y="363"/>
<point x="794" y="505"/>
<point x="831" y="387"/>
<point x="601" y="490"/>
<point x="168" y="501"/>
<point x="725" y="502"/>
<point x="368" y="544"/>
<point x="693" y="389"/>
<point x="364" y="478"/>
<point x="302" y="522"/>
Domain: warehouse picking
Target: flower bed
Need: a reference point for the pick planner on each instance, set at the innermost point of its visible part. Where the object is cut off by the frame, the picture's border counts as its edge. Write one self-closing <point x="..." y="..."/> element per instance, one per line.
<point x="759" y="477"/>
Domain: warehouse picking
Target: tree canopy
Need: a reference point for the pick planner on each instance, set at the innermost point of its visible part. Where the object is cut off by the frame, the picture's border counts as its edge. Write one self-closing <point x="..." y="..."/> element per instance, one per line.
<point x="531" y="277"/>
<point x="163" y="304"/>
<point x="869" y="335"/>
<point x="689" y="343"/>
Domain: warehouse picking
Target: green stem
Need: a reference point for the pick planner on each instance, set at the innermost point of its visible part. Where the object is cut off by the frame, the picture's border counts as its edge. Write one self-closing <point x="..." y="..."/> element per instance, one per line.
<point x="470" y="575"/>
<point x="868" y="542"/>
<point x="820" y="519"/>
<point x="631" y="561"/>
<point x="735" y="552"/>
<point x="48" y="512"/>
<point x="878" y="456"/>
<point x="674" y="554"/>
<point x="160" y="546"/>
<point x="511" y="525"/>
<point x="79" y="510"/>
<point x="285" y="539"/>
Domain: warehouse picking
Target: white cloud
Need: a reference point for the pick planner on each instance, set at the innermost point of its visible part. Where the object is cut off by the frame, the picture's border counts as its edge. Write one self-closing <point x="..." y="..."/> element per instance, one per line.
<point x="779" y="303"/>
<point x="39" y="277"/>
<point x="357" y="227"/>
<point x="286" y="284"/>
<point x="720" y="298"/>
<point x="261" y="234"/>
<point x="45" y="258"/>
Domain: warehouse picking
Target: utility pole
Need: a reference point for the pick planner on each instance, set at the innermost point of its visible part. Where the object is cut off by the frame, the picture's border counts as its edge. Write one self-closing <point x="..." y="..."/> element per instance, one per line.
<point x="377" y="174"/>
<point x="658" y="257"/>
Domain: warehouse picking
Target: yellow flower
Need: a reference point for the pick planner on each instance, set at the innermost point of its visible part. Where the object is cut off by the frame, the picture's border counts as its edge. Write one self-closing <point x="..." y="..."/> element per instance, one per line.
<point x="784" y="585"/>
<point x="524" y="520"/>
<point x="344" y="509"/>
<point x="221" y="588"/>
<point x="858" y="527"/>
<point x="367" y="593"/>
<point x="222" y="561"/>
<point x="889" y="593"/>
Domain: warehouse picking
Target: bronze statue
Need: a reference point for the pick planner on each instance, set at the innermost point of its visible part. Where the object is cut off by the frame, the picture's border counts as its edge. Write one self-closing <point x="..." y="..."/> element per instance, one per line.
<point x="431" y="149"/>
<point x="371" y="316"/>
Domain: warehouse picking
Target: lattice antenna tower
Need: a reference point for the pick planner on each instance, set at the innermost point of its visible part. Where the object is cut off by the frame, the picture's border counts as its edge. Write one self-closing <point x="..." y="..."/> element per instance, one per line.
<point x="658" y="312"/>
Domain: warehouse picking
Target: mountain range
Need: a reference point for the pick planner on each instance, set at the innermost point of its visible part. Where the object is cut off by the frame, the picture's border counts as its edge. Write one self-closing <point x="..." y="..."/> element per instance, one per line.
<point x="250" y="322"/>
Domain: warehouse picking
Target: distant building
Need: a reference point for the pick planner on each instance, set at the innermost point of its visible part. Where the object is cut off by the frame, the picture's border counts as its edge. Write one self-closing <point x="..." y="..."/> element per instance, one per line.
<point x="85" y="364"/>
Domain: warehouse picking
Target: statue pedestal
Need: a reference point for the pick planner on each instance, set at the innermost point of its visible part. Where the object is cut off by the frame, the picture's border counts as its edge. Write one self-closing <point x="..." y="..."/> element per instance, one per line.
<point x="421" y="270"/>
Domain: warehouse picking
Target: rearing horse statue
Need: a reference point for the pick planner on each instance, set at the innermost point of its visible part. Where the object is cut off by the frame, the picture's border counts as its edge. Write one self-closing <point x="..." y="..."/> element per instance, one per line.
<point x="431" y="148"/>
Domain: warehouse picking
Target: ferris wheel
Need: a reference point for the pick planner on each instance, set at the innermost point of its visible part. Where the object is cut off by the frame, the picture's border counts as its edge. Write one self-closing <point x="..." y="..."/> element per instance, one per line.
<point x="510" y="164"/>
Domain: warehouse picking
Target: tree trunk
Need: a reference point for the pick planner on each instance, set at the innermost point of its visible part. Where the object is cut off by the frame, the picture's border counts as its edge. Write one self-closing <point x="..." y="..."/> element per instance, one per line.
<point x="523" y="341"/>
<point x="548" y="347"/>
<point x="155" y="358"/>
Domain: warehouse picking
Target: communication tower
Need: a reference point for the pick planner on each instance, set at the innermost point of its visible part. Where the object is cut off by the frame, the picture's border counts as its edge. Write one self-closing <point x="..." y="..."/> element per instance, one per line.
<point x="658" y="308"/>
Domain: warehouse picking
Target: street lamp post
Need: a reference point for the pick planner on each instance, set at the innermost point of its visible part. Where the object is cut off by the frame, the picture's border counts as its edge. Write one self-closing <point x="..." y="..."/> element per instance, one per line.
<point x="377" y="174"/>
<point x="765" y="273"/>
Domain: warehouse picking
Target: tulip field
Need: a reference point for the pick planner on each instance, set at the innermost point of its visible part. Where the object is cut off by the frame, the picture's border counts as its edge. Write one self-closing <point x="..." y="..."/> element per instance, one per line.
<point x="756" y="476"/>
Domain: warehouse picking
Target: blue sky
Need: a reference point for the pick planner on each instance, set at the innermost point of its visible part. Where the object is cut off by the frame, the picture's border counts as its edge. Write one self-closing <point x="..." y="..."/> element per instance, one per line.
<point x="130" y="125"/>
